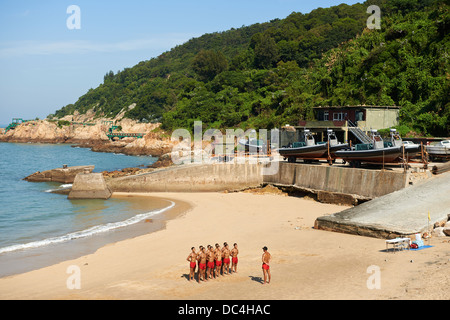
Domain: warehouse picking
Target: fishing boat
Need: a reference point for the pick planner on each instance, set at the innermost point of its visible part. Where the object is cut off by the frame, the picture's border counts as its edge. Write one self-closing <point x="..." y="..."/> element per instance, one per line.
<point x="309" y="149"/>
<point x="439" y="150"/>
<point x="376" y="152"/>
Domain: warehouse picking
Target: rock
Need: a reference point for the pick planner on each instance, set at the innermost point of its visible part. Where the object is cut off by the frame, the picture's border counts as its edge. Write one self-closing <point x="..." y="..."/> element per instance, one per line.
<point x="446" y="229"/>
<point x="438" y="232"/>
<point x="62" y="175"/>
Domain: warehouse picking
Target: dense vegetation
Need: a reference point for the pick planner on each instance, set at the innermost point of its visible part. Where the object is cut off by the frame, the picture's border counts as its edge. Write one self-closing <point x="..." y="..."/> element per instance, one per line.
<point x="269" y="74"/>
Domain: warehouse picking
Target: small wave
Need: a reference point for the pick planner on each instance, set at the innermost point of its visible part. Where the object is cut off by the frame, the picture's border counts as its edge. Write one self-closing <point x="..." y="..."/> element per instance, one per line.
<point x="86" y="233"/>
<point x="61" y="187"/>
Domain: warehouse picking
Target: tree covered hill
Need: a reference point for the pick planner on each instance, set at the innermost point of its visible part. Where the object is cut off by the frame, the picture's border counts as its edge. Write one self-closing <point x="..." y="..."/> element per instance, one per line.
<point x="269" y="74"/>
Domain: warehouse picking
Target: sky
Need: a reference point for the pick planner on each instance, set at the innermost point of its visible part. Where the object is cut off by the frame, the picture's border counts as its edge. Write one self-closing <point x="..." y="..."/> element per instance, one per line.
<point x="51" y="54"/>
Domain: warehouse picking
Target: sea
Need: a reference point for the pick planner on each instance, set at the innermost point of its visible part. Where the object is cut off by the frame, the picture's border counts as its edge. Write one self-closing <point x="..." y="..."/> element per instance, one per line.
<point x="39" y="228"/>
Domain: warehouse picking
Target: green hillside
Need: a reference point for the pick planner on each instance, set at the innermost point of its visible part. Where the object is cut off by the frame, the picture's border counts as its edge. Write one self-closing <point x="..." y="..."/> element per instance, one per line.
<point x="269" y="74"/>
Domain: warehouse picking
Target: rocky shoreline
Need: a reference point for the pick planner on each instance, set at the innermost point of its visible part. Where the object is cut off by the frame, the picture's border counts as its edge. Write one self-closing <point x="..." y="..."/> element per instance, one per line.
<point x="155" y="142"/>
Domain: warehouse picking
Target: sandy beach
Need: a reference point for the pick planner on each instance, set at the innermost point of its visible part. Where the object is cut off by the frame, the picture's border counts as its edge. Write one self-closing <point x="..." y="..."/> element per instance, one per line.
<point x="307" y="263"/>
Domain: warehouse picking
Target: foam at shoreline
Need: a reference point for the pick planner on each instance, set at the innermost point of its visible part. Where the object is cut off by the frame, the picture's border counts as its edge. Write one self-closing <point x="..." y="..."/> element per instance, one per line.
<point x="88" y="232"/>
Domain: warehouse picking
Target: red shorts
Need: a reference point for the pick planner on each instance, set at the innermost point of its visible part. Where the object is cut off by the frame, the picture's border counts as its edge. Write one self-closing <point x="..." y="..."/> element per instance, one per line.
<point x="192" y="265"/>
<point x="226" y="261"/>
<point x="265" y="266"/>
<point x="218" y="263"/>
<point x="202" y="266"/>
<point x="234" y="260"/>
<point x="210" y="265"/>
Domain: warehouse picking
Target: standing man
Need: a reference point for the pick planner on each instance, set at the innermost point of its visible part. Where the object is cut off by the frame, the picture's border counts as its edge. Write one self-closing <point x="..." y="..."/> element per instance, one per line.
<point x="266" y="257"/>
<point x="226" y="258"/>
<point x="218" y="256"/>
<point x="211" y="265"/>
<point x="234" y="258"/>
<point x="192" y="258"/>
<point x="201" y="264"/>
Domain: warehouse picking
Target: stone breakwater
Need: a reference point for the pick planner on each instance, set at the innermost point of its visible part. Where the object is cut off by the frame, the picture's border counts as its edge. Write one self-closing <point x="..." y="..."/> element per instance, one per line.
<point x="154" y="143"/>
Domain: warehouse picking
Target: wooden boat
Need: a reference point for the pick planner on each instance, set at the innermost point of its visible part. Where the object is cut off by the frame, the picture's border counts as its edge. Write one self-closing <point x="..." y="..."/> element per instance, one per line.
<point x="309" y="149"/>
<point x="376" y="152"/>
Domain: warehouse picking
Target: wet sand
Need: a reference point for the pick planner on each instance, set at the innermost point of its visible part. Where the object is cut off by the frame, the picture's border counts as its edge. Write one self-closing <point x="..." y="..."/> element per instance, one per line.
<point x="307" y="263"/>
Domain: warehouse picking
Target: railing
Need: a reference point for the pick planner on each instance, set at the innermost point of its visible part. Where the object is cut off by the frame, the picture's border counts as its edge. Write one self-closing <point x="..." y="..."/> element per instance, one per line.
<point x="122" y="135"/>
<point x="359" y="134"/>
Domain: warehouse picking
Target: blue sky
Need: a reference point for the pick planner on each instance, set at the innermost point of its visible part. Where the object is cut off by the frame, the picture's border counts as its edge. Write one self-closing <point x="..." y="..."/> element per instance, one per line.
<point x="44" y="65"/>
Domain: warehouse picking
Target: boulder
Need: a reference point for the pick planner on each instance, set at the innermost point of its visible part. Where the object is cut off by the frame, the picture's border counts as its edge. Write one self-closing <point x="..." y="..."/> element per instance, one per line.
<point x="438" y="232"/>
<point x="446" y="229"/>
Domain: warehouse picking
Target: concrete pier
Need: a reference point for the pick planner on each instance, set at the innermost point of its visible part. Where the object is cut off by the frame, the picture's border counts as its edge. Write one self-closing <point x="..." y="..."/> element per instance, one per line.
<point x="89" y="186"/>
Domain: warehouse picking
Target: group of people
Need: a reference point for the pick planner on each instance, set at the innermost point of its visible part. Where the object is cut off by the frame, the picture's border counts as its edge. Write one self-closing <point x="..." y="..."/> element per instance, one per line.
<point x="213" y="262"/>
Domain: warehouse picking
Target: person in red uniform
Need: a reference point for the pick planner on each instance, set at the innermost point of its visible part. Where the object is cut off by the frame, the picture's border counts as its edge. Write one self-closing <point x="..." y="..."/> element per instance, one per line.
<point x="234" y="258"/>
<point x="211" y="265"/>
<point x="226" y="258"/>
<point x="192" y="258"/>
<point x="218" y="257"/>
<point x="266" y="258"/>
<point x="201" y="264"/>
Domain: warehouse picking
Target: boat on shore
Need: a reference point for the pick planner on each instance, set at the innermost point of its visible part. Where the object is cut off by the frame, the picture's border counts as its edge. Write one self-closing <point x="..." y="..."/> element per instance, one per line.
<point x="253" y="145"/>
<point x="335" y="145"/>
<point x="310" y="150"/>
<point x="376" y="152"/>
<point x="439" y="150"/>
<point x="411" y="149"/>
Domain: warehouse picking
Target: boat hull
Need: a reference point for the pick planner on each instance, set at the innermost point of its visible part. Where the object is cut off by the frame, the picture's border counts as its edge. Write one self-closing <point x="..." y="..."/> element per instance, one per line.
<point x="438" y="151"/>
<point x="337" y="147"/>
<point x="307" y="152"/>
<point x="384" y="155"/>
<point x="412" y="151"/>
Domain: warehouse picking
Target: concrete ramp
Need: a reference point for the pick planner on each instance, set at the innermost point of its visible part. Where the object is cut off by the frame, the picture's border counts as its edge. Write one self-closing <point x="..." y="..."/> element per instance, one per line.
<point x="401" y="213"/>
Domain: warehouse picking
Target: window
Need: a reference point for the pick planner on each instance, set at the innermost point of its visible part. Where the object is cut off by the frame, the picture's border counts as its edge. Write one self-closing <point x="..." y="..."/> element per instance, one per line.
<point x="325" y="116"/>
<point x="338" y="116"/>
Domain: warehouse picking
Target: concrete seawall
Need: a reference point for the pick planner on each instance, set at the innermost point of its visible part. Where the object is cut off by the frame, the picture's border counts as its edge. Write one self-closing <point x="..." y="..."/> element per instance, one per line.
<point x="192" y="178"/>
<point x="337" y="182"/>
<point x="332" y="184"/>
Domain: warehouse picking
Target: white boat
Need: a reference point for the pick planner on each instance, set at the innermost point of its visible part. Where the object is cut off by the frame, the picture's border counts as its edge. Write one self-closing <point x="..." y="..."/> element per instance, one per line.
<point x="439" y="150"/>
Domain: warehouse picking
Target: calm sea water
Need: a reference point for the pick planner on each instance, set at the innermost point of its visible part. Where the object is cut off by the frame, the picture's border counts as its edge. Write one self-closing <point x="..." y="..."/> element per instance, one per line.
<point x="36" y="226"/>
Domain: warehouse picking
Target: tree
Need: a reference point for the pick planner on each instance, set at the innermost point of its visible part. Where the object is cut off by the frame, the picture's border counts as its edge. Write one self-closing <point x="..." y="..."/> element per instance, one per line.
<point x="209" y="63"/>
<point x="266" y="52"/>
